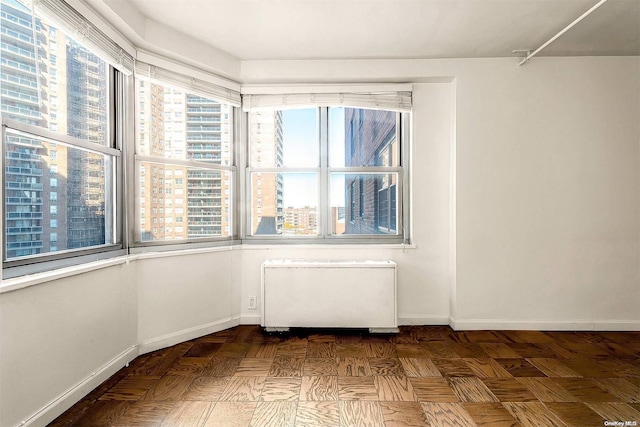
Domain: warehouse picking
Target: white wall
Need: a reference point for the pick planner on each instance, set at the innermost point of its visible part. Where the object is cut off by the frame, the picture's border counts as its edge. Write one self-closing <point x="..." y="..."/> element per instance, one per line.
<point x="185" y="296"/>
<point x="55" y="335"/>
<point x="548" y="194"/>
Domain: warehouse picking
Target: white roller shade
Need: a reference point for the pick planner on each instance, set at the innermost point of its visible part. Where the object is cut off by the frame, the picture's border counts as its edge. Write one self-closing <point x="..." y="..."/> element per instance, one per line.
<point x="188" y="83"/>
<point x="84" y="32"/>
<point x="373" y="98"/>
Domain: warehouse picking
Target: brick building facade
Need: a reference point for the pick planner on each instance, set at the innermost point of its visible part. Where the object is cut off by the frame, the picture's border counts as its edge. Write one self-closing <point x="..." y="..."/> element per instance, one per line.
<point x="370" y="199"/>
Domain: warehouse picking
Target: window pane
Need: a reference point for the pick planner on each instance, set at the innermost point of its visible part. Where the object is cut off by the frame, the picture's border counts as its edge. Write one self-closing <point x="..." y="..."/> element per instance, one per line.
<point x="284" y="203"/>
<point x="361" y="137"/>
<point x="175" y="124"/>
<point x="286" y="138"/>
<point x="75" y="213"/>
<point x="179" y="202"/>
<point x="49" y="80"/>
<point x="364" y="204"/>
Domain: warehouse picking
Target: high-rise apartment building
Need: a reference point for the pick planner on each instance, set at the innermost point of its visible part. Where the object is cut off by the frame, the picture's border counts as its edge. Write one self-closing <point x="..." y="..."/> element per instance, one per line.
<point x="267" y="136"/>
<point x="151" y="141"/>
<point x="50" y="81"/>
<point x="20" y="92"/>
<point x="175" y="177"/>
<point x="87" y="105"/>
<point x="21" y="100"/>
<point x="54" y="87"/>
<point x="180" y="202"/>
<point x="208" y="140"/>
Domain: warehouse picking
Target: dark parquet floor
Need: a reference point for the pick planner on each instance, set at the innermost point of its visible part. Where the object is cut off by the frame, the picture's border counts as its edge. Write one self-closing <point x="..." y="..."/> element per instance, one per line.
<point x="423" y="376"/>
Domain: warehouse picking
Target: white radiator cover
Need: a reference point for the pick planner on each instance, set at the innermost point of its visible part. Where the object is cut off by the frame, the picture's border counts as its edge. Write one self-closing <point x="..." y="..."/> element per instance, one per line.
<point x="331" y="294"/>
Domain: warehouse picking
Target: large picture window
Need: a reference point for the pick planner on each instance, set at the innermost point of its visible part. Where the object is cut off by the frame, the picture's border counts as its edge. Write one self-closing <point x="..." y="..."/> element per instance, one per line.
<point x="184" y="162"/>
<point x="326" y="172"/>
<point x="61" y="156"/>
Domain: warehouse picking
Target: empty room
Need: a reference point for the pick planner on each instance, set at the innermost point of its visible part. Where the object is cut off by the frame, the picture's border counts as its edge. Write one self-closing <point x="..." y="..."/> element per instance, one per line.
<point x="320" y="213"/>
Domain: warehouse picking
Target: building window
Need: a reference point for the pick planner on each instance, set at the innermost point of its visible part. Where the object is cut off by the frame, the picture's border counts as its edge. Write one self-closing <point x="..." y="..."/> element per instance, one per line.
<point x="193" y="139"/>
<point x="326" y="173"/>
<point x="59" y="178"/>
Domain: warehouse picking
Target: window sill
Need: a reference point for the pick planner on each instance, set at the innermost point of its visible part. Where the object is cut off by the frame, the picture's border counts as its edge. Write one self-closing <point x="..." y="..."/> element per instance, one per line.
<point x="330" y="246"/>
<point x="21" y="282"/>
<point x="149" y="254"/>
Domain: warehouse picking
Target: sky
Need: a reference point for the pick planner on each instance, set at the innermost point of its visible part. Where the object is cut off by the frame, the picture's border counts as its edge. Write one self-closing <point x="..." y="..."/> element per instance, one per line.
<point x="301" y="149"/>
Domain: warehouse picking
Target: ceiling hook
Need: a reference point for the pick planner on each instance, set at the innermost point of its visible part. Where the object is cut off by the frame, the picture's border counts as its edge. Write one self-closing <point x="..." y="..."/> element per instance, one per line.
<point x="526" y="52"/>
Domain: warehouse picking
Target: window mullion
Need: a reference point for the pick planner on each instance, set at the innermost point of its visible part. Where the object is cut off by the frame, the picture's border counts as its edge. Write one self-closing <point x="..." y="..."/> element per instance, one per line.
<point x="324" y="208"/>
<point x="404" y="206"/>
<point x="124" y="139"/>
<point x="180" y="162"/>
<point x="33" y="131"/>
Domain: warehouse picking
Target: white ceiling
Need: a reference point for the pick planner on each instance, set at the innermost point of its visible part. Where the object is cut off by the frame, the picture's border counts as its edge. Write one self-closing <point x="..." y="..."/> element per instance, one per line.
<point x="359" y="29"/>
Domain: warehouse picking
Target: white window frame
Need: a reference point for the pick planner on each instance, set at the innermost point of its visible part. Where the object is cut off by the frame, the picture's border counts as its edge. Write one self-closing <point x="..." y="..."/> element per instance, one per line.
<point x="113" y="206"/>
<point x="383" y="97"/>
<point x="200" y="84"/>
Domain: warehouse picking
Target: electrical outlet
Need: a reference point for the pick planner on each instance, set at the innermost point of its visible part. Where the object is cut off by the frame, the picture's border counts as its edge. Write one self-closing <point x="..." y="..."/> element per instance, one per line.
<point x="252" y="302"/>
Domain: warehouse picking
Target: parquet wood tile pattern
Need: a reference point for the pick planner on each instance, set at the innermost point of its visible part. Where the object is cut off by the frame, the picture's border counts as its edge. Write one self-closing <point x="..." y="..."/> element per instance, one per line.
<point x="423" y="376"/>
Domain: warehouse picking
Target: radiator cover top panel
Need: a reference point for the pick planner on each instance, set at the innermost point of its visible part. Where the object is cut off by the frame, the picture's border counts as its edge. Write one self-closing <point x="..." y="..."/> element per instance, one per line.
<point x="332" y="294"/>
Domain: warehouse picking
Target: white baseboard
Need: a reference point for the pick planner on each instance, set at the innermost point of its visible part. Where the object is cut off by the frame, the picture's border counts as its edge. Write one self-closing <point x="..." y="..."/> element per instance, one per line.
<point x="403" y="320"/>
<point x="251" y="319"/>
<point x="541" y="325"/>
<point x="174" y="338"/>
<point x="66" y="400"/>
<point x="624" y="326"/>
<point x="416" y="319"/>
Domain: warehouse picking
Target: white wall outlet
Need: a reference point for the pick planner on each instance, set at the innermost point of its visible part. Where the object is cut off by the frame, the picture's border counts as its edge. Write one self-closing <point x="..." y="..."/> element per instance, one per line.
<point x="253" y="301"/>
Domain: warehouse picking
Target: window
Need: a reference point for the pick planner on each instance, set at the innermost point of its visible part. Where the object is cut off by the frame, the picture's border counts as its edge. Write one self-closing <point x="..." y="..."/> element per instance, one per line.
<point x="280" y="190"/>
<point x="192" y="137"/>
<point x="328" y="172"/>
<point x="60" y="180"/>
